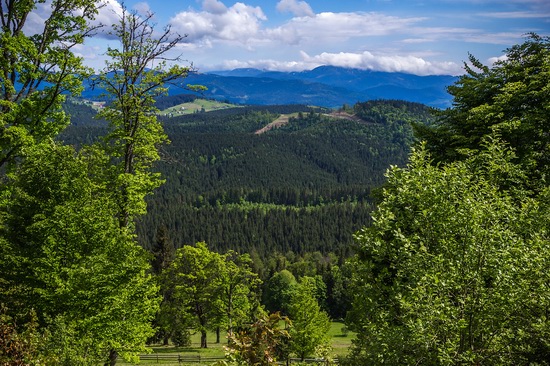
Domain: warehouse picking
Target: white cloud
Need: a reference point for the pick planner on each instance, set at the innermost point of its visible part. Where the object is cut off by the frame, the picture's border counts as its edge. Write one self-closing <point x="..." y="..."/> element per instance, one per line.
<point x="298" y="8"/>
<point x="516" y="15"/>
<point x="365" y="61"/>
<point x="37" y="18"/>
<point x="494" y="60"/>
<point x="264" y="64"/>
<point x="108" y="15"/>
<point x="394" y="63"/>
<point x="238" y="23"/>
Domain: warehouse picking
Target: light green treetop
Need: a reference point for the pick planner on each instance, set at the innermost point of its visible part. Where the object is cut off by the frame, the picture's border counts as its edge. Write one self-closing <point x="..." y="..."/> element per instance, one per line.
<point x="310" y="325"/>
<point x="510" y="99"/>
<point x="37" y="68"/>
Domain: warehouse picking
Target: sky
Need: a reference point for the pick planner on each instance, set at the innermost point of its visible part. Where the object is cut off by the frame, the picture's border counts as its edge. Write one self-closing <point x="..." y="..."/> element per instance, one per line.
<point x="425" y="37"/>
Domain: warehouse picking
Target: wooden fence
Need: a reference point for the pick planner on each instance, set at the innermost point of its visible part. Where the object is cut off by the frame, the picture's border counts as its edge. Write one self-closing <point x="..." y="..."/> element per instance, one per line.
<point x="197" y="359"/>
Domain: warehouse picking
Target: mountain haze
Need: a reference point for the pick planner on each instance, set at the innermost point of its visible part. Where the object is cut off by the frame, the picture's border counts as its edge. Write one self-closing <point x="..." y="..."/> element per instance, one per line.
<point x="331" y="86"/>
<point x="325" y="86"/>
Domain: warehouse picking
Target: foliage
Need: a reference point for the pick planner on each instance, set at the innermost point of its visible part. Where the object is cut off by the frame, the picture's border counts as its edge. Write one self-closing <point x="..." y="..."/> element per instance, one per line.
<point x="64" y="255"/>
<point x="279" y="290"/>
<point x="261" y="343"/>
<point x="21" y="345"/>
<point x="509" y="99"/>
<point x="197" y="281"/>
<point x="240" y="287"/>
<point x="454" y="267"/>
<point x="210" y="290"/>
<point x="181" y="337"/>
<point x="38" y="69"/>
<point x="310" y="325"/>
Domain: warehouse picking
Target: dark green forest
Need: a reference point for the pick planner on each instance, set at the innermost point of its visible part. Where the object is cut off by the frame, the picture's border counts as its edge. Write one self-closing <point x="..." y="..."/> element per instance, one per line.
<point x="303" y="187"/>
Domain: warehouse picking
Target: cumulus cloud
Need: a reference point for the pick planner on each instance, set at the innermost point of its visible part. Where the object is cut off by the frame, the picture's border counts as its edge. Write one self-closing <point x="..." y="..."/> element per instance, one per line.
<point x="298" y="8"/>
<point x="108" y="15"/>
<point x="238" y="23"/>
<point x="37" y="18"/>
<point x="263" y="64"/>
<point x="394" y="63"/>
<point x="364" y="61"/>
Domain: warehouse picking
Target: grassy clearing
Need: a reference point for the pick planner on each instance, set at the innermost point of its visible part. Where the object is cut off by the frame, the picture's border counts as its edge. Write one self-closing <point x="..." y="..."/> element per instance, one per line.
<point x="196" y="106"/>
<point x="280" y="121"/>
<point x="340" y="342"/>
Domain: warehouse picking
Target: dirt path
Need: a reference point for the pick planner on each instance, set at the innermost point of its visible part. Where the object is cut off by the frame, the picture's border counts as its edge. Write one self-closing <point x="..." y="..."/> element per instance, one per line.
<point x="281" y="121"/>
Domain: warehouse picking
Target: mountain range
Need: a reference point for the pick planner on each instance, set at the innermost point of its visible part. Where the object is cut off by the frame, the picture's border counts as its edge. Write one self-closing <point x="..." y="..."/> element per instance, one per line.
<point x="324" y="86"/>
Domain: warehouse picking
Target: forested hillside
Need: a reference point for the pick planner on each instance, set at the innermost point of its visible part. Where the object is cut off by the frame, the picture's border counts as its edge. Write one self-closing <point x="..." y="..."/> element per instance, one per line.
<point x="303" y="187"/>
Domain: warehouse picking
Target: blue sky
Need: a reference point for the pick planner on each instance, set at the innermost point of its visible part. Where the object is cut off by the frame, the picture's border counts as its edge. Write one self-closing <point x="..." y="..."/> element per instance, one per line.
<point x="419" y="37"/>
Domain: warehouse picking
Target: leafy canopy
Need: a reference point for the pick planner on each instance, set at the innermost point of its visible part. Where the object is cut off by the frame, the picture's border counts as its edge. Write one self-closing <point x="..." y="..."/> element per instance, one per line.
<point x="510" y="99"/>
<point x="454" y="268"/>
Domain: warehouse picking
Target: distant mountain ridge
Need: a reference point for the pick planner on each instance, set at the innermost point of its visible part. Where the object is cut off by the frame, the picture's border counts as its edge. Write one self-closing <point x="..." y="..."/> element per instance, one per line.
<point x="355" y="85"/>
<point x="324" y="86"/>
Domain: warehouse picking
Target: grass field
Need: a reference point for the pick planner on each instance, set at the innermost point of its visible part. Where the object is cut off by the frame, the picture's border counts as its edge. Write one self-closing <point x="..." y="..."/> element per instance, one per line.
<point x="196" y="106"/>
<point x="340" y="342"/>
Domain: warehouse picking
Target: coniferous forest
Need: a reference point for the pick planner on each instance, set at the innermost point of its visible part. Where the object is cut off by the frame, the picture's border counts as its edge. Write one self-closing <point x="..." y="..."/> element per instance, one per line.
<point x="305" y="186"/>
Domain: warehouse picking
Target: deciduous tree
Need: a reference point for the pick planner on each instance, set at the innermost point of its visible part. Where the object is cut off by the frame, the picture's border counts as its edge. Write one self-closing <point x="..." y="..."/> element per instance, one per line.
<point x="197" y="275"/>
<point x="310" y="325"/>
<point x="135" y="74"/>
<point x="63" y="254"/>
<point x="278" y="291"/>
<point x="240" y="287"/>
<point x="454" y="267"/>
<point x="38" y="69"/>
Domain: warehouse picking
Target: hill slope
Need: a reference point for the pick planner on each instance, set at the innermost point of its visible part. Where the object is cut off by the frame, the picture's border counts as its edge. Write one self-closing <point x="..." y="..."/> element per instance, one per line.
<point x="302" y="186"/>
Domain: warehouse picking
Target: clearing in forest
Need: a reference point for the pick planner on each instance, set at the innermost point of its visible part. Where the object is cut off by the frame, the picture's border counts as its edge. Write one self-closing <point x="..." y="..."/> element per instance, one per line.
<point x="196" y="106"/>
<point x="281" y="121"/>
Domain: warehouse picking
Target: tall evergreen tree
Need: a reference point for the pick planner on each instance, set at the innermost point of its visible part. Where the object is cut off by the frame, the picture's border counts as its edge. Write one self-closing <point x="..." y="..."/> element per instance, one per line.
<point x="163" y="251"/>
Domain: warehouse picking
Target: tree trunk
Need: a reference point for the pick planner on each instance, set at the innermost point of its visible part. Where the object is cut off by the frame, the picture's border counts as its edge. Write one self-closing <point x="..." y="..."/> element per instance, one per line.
<point x="203" y="339"/>
<point x="166" y="338"/>
<point x="217" y="335"/>
<point x="113" y="355"/>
